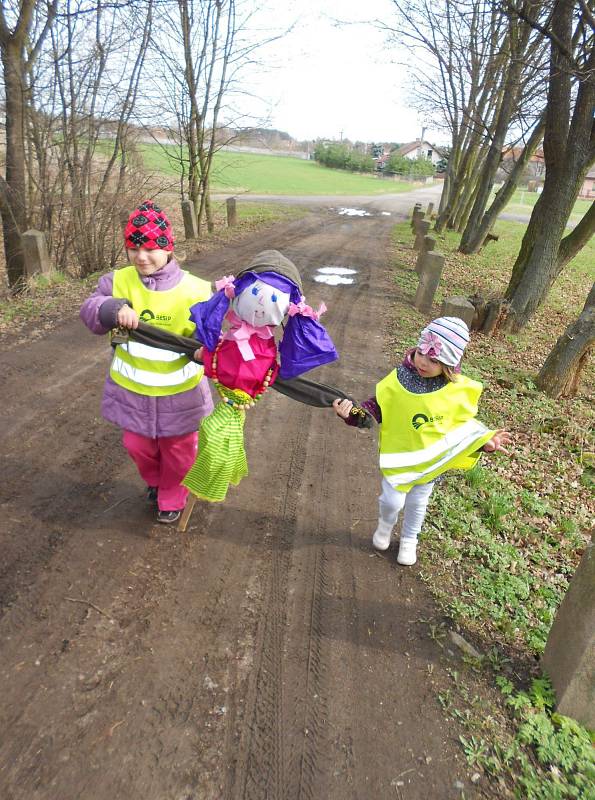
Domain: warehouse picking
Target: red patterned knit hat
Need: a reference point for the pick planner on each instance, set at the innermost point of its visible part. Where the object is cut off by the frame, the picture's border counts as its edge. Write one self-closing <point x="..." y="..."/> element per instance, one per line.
<point x="149" y="227"/>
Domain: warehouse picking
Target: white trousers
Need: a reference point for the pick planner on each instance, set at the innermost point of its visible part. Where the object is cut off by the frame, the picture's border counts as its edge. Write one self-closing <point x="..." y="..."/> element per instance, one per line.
<point x="414" y="502"/>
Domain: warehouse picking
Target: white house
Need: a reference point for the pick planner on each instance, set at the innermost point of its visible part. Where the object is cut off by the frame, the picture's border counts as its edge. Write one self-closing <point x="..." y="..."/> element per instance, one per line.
<point x="420" y="149"/>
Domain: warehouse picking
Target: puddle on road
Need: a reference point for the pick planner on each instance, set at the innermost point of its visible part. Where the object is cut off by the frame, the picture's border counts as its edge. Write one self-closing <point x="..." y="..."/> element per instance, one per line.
<point x="336" y="271"/>
<point x="358" y="212"/>
<point x="335" y="276"/>
<point x="354" y="212"/>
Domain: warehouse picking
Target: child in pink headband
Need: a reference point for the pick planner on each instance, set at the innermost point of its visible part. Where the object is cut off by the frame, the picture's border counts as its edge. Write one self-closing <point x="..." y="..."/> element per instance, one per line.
<point x="426" y="411"/>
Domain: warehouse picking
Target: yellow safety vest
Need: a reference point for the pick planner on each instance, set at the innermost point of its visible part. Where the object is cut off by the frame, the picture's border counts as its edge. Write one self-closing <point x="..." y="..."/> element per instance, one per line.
<point x="423" y="435"/>
<point x="151" y="370"/>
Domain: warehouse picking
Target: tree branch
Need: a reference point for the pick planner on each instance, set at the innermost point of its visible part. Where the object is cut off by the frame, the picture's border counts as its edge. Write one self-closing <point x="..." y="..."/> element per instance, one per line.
<point x="577" y="239"/>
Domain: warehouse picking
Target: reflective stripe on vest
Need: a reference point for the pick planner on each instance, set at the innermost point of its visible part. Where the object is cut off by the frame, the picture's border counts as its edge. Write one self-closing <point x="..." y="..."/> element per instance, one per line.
<point x="155" y="379"/>
<point x="140" y="350"/>
<point x="149" y="370"/>
<point x="423" y="435"/>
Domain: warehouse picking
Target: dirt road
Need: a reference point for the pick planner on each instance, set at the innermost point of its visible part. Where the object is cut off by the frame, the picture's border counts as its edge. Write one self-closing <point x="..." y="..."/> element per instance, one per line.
<point x="266" y="654"/>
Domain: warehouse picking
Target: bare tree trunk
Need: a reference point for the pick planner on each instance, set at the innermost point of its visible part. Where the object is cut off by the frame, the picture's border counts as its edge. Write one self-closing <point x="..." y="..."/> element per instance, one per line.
<point x="504" y="194"/>
<point x="577" y="239"/>
<point x="560" y="374"/>
<point x="517" y="41"/>
<point x="537" y="265"/>
<point x="18" y="50"/>
<point x="569" y="149"/>
<point x="463" y="214"/>
<point x="94" y="119"/>
<point x="14" y="209"/>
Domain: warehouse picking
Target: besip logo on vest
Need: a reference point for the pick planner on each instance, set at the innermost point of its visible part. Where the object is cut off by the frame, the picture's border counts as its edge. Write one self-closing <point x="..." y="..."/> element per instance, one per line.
<point x="147" y="315"/>
<point x="420" y="419"/>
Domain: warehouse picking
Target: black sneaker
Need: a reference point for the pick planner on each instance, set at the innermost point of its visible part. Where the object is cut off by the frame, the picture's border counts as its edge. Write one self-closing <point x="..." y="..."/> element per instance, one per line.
<point x="151" y="496"/>
<point x="168" y="517"/>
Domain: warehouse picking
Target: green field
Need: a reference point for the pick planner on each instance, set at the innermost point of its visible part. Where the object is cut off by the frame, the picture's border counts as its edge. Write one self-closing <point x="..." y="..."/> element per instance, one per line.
<point x="236" y="173"/>
<point x="522" y="202"/>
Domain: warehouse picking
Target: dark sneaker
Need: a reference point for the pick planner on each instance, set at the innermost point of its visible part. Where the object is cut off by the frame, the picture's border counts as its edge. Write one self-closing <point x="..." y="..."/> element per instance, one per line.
<point x="151" y="496"/>
<point x="167" y="517"/>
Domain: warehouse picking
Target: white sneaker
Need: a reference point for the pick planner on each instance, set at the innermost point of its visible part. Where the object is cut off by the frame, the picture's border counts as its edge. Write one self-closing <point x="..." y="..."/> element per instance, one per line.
<point x="382" y="535"/>
<point x="407" y="552"/>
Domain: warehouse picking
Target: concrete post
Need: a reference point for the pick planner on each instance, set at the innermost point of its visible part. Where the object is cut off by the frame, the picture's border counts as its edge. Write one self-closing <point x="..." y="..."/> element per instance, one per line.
<point x="429" y="244"/>
<point x="35" y="253"/>
<point x="189" y="217"/>
<point x="458" y="307"/>
<point x="417" y="217"/>
<point x="416" y="207"/>
<point x="430" y="210"/>
<point x="423" y="226"/>
<point x="232" y="217"/>
<point x="429" y="278"/>
<point x="569" y="657"/>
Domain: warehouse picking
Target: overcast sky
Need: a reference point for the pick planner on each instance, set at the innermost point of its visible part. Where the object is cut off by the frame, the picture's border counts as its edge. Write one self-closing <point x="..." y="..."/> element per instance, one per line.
<point x="329" y="81"/>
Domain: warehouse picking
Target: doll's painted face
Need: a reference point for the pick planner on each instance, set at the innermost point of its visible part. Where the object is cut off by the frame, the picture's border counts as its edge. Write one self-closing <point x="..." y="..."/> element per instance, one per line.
<point x="261" y="304"/>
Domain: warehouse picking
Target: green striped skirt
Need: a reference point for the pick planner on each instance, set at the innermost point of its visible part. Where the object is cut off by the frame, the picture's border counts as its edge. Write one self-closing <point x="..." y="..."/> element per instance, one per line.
<point x="221" y="458"/>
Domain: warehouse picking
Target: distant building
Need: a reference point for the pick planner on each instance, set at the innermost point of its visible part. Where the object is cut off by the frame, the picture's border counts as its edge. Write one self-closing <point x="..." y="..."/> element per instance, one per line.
<point x="535" y="167"/>
<point x="420" y="149"/>
<point x="587" y="191"/>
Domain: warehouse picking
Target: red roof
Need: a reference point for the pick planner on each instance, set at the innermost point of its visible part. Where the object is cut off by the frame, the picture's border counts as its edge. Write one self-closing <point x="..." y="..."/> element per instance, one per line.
<point x="514" y="153"/>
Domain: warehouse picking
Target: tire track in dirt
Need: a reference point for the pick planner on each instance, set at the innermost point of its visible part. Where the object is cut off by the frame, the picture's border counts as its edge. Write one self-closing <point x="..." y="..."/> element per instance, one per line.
<point x="261" y="767"/>
<point x="284" y="744"/>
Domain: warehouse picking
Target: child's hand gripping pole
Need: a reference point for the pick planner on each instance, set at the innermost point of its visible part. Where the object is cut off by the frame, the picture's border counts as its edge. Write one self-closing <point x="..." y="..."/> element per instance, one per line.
<point x="346" y="408"/>
<point x="343" y="407"/>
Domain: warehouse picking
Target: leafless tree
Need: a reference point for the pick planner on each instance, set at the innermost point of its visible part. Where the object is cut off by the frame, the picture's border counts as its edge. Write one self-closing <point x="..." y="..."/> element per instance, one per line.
<point x="24" y="27"/>
<point x="505" y="192"/>
<point x="569" y="151"/>
<point x="475" y="69"/>
<point x="523" y="51"/>
<point x="454" y="47"/>
<point x="98" y="71"/>
<point x="208" y="47"/>
<point x="72" y="71"/>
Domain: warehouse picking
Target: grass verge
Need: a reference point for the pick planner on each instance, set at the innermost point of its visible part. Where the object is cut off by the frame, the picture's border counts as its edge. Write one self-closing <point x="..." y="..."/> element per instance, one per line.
<point x="503" y="540"/>
<point x="522" y="202"/>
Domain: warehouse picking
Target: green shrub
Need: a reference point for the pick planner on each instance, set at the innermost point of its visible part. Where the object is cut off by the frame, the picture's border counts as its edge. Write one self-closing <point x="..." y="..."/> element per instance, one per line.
<point x="415" y="167"/>
<point x="340" y="156"/>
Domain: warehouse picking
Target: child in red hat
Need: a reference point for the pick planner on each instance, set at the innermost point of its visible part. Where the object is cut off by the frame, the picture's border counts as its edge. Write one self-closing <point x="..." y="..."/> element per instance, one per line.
<point x="156" y="396"/>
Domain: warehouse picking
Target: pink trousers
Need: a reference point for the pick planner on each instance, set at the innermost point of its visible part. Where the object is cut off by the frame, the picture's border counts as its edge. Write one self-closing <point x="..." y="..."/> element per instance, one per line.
<point x="163" y="462"/>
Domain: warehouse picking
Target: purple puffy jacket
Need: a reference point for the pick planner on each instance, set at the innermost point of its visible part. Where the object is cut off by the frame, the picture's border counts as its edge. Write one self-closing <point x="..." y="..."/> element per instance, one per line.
<point x="172" y="415"/>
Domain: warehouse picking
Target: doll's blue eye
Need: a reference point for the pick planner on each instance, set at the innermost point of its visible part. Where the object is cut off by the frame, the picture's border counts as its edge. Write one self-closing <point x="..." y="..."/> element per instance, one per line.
<point x="254" y="290"/>
<point x="273" y="298"/>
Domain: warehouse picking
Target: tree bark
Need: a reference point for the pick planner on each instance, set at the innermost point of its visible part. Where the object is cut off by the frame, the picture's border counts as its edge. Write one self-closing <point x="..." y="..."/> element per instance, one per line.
<point x="577" y="239"/>
<point x="569" y="150"/>
<point x="476" y="242"/>
<point x="18" y="53"/>
<point x="14" y="215"/>
<point x="517" y="41"/>
<point x="537" y="265"/>
<point x="560" y="374"/>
